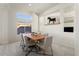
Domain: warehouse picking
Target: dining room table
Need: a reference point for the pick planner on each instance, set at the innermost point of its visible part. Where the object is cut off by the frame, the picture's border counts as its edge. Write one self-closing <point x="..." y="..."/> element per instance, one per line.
<point x="36" y="38"/>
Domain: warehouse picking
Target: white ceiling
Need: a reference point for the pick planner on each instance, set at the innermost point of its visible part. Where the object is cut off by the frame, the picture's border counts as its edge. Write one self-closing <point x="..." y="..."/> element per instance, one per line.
<point x="35" y="7"/>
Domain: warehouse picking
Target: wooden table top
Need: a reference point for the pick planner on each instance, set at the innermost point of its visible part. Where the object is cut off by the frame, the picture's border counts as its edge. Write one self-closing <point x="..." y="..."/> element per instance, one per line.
<point x="36" y="37"/>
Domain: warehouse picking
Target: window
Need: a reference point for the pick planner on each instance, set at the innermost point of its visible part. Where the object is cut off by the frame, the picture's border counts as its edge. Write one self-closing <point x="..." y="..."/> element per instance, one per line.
<point x="23" y="22"/>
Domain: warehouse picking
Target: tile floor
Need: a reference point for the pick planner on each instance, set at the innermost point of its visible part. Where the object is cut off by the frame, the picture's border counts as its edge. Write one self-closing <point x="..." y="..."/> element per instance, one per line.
<point x="14" y="49"/>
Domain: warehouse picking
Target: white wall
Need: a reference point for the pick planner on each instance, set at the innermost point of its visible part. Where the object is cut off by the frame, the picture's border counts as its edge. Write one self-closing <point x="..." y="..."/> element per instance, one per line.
<point x="8" y="31"/>
<point x="63" y="42"/>
<point x="34" y="23"/>
<point x="49" y="28"/>
<point x="12" y="29"/>
<point x="77" y="30"/>
<point x="3" y="24"/>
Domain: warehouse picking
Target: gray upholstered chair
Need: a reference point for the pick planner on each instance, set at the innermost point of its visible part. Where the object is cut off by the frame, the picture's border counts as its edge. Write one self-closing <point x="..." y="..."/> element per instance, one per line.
<point x="22" y="42"/>
<point x="46" y="45"/>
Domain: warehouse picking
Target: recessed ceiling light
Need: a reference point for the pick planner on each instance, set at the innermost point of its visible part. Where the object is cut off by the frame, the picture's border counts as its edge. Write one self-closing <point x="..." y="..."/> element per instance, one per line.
<point x="29" y="5"/>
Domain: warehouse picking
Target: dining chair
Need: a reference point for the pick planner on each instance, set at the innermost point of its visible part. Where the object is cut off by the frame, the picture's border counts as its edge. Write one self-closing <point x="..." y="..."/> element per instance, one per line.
<point x="47" y="45"/>
<point x="26" y="43"/>
<point x="22" y="41"/>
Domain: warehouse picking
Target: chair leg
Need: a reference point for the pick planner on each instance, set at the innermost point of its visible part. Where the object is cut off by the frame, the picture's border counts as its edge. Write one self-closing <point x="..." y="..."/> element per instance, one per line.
<point x="46" y="54"/>
<point x="23" y="47"/>
<point x="28" y="52"/>
<point x="51" y="51"/>
<point x="31" y="48"/>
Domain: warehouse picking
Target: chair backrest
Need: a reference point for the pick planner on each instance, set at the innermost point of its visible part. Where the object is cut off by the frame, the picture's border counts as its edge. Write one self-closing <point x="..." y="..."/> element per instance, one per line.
<point x="43" y="42"/>
<point x="23" y="39"/>
<point x="48" y="41"/>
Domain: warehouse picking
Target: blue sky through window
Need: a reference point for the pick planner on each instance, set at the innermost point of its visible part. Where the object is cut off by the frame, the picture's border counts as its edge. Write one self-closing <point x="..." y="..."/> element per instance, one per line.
<point x="23" y="17"/>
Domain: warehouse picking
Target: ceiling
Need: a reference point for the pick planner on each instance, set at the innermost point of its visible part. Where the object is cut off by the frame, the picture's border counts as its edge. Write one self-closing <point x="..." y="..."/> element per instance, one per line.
<point x="37" y="8"/>
<point x="34" y="7"/>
